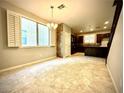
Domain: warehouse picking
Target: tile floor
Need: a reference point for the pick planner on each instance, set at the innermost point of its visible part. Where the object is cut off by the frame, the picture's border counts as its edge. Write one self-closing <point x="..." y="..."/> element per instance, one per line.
<point x="75" y="74"/>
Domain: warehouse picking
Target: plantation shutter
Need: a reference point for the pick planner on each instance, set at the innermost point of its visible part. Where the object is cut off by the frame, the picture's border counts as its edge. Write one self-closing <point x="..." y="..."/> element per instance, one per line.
<point x="13" y="29"/>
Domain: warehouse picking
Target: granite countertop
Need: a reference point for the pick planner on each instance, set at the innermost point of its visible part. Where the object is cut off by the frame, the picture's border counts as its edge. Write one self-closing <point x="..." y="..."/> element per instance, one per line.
<point x="97" y="45"/>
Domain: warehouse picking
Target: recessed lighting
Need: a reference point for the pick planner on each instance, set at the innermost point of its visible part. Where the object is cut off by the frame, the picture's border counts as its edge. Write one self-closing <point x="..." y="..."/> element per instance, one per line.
<point x="106" y="22"/>
<point x="91" y="29"/>
<point x="105" y="27"/>
<point x="81" y="31"/>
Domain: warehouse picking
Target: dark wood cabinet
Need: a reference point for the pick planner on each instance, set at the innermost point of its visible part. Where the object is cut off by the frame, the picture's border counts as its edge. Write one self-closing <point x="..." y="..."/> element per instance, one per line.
<point x="100" y="37"/>
<point x="80" y="39"/>
<point x="80" y="44"/>
<point x="76" y="44"/>
<point x="73" y="44"/>
<point x="96" y="51"/>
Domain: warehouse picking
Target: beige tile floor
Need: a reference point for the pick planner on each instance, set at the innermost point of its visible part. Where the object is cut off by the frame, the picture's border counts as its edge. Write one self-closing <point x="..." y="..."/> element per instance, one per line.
<point x="75" y="74"/>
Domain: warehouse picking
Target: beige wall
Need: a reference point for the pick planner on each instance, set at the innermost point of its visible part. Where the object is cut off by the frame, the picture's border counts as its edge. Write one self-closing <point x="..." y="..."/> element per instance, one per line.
<point x="15" y="56"/>
<point x="115" y="57"/>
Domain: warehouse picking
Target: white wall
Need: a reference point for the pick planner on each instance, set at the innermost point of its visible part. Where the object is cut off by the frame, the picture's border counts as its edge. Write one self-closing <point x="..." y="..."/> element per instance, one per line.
<point x="115" y="57"/>
<point x="10" y="57"/>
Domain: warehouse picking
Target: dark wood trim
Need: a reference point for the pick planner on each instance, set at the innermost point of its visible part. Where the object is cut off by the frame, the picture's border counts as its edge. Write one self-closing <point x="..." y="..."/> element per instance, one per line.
<point x="115" y="2"/>
<point x="118" y="4"/>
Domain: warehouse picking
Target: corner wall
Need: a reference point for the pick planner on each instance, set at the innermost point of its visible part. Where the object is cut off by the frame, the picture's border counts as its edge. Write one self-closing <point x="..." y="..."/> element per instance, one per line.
<point x="115" y="57"/>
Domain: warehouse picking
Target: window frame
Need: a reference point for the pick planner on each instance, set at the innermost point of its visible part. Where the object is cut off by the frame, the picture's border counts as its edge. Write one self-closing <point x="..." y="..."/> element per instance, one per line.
<point x="37" y="40"/>
<point x="21" y="31"/>
<point x="38" y="35"/>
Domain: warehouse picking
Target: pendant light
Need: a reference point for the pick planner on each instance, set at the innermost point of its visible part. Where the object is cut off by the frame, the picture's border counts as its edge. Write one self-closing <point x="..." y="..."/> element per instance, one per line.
<point x="52" y="25"/>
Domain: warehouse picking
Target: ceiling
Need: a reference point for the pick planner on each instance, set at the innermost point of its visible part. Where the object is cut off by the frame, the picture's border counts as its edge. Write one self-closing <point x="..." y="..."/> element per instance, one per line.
<point x="78" y="14"/>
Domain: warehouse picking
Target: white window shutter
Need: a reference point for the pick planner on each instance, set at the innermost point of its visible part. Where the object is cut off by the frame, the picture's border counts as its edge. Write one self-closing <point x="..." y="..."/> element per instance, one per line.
<point x="13" y="27"/>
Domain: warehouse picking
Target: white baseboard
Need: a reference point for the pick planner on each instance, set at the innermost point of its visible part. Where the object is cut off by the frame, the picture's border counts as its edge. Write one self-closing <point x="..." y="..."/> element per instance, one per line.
<point x="27" y="64"/>
<point x="117" y="91"/>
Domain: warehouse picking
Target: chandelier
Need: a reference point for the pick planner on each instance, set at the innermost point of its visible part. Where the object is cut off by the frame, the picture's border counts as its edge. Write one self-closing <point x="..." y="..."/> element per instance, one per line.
<point x="52" y="25"/>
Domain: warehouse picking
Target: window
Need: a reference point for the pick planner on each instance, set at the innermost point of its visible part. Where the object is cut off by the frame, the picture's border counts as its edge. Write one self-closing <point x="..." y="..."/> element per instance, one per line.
<point x="43" y="35"/>
<point x="28" y="32"/>
<point x="23" y="32"/>
<point x="34" y="34"/>
<point x="90" y="38"/>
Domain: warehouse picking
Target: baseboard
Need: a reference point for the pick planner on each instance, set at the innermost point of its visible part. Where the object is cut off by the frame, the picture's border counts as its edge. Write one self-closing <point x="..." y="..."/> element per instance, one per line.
<point x="27" y="64"/>
<point x="117" y="91"/>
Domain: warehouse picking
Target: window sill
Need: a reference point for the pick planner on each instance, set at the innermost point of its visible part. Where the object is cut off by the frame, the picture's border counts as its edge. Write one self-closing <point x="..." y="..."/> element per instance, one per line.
<point x="36" y="46"/>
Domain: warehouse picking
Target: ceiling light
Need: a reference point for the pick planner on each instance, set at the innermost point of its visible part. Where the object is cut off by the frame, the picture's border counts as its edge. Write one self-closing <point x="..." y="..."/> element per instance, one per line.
<point x="91" y="29"/>
<point x="52" y="25"/>
<point x="106" y="22"/>
<point x="81" y="31"/>
<point x="105" y="27"/>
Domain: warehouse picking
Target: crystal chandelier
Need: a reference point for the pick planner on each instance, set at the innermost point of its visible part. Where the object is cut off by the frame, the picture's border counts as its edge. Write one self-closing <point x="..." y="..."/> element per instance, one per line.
<point x="52" y="25"/>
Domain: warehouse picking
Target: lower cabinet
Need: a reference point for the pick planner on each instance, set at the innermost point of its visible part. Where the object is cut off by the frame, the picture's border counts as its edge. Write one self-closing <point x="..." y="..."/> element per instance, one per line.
<point x="96" y="51"/>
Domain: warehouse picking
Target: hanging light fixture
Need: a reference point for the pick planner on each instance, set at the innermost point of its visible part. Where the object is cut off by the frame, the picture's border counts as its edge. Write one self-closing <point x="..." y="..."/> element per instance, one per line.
<point x="52" y="25"/>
